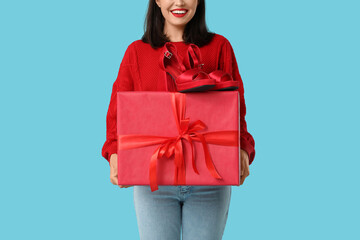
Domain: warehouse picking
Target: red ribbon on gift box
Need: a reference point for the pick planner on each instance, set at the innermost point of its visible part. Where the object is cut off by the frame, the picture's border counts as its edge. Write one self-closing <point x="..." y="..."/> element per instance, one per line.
<point x="174" y="146"/>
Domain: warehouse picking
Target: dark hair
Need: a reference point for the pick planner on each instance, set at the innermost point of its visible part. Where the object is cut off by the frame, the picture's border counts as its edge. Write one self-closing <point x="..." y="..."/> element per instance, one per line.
<point x="195" y="32"/>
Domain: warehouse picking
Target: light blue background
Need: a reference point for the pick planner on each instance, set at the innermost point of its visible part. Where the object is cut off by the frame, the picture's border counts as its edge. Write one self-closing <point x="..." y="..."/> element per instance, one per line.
<point x="299" y="61"/>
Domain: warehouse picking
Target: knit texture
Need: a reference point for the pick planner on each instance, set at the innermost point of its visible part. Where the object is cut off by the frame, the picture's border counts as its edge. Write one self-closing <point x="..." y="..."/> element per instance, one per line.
<point x="140" y="71"/>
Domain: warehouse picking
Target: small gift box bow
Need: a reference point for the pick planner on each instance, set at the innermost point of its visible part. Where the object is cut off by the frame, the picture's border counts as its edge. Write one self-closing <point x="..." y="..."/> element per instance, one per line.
<point x="170" y="146"/>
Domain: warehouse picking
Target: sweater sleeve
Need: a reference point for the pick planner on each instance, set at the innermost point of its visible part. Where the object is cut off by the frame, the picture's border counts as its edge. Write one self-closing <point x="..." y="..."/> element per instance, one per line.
<point x="123" y="82"/>
<point x="229" y="64"/>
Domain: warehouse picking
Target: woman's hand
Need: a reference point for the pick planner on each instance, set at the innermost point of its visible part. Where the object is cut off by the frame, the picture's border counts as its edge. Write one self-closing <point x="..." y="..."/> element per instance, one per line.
<point x="114" y="171"/>
<point x="244" y="166"/>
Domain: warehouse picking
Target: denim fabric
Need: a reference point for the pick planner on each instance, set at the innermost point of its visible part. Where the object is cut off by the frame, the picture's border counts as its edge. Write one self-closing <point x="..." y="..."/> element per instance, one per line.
<point x="195" y="212"/>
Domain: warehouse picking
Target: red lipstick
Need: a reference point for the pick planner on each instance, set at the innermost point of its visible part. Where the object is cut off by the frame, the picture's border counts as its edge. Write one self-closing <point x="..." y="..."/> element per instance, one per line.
<point x="179" y="12"/>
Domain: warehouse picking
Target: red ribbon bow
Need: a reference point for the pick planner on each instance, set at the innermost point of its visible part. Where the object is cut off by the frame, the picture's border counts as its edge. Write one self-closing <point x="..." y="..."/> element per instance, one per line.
<point x="174" y="146"/>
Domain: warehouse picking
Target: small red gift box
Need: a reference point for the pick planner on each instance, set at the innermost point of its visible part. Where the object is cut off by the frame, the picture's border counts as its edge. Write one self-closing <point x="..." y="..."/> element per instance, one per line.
<point x="172" y="138"/>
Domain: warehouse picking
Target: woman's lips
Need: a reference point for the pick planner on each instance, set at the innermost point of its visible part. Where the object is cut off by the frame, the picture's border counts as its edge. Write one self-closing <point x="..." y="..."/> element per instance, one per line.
<point x="179" y="12"/>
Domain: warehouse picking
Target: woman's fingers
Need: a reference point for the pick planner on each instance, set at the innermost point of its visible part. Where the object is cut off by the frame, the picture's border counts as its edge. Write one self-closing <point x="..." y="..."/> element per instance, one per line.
<point x="242" y="178"/>
<point x="242" y="170"/>
<point x="113" y="177"/>
<point x="113" y="169"/>
<point x="244" y="166"/>
<point x="244" y="175"/>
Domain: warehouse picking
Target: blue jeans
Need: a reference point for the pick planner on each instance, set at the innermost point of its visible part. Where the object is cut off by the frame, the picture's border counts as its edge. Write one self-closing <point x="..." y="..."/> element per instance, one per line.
<point x="199" y="211"/>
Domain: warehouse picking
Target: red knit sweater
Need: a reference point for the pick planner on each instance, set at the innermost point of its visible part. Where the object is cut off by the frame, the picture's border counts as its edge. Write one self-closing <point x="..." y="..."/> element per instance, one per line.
<point x="140" y="71"/>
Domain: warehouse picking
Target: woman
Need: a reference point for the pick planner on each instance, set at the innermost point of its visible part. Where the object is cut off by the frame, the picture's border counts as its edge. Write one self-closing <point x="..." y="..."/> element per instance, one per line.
<point x="201" y="211"/>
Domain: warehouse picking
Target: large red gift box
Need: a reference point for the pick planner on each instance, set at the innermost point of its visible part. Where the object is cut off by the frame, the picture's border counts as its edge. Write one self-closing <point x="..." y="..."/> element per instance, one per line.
<point x="172" y="138"/>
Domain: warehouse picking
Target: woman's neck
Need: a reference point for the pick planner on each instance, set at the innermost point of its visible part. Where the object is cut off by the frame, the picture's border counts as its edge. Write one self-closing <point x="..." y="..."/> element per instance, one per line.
<point x="174" y="33"/>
